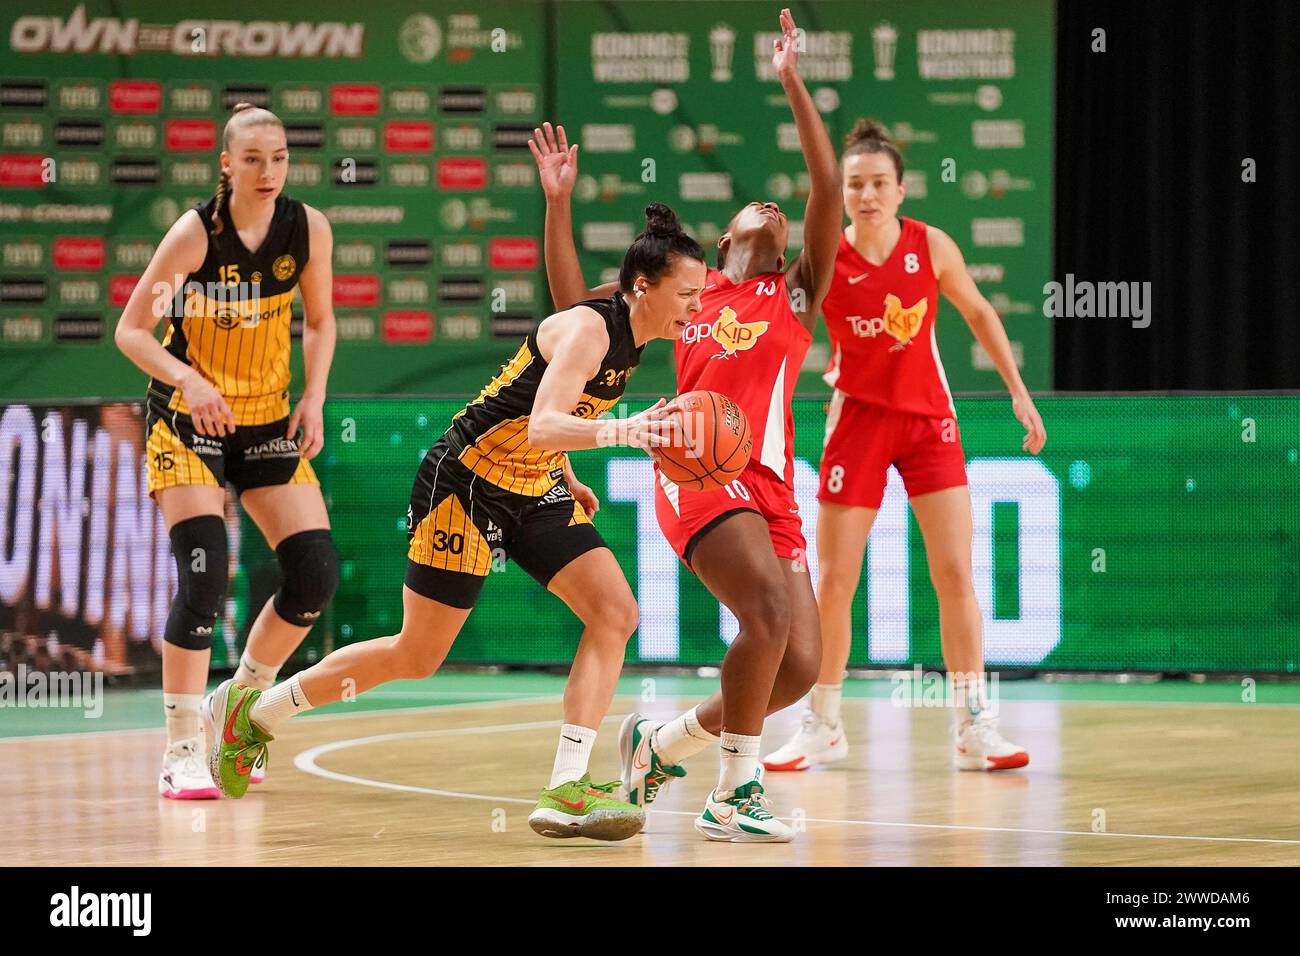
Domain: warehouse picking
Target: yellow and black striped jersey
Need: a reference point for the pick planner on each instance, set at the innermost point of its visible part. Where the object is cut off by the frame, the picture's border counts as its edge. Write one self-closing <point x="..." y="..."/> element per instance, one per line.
<point x="490" y="435"/>
<point x="230" y="321"/>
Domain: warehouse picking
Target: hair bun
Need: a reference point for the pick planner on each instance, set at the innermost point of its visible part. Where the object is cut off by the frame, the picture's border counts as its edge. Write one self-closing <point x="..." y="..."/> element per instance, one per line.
<point x="240" y="107"/>
<point x="867" y="131"/>
<point x="661" y="221"/>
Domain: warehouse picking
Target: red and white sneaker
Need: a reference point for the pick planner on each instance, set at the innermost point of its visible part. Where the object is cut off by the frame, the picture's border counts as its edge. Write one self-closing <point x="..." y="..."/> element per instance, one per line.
<point x="185" y="773"/>
<point x="981" y="747"/>
<point x="815" y="742"/>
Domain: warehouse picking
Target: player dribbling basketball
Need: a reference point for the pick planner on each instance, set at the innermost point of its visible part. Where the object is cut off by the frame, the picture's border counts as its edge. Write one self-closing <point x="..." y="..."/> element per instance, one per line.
<point x="745" y="541"/>
<point x="500" y="478"/>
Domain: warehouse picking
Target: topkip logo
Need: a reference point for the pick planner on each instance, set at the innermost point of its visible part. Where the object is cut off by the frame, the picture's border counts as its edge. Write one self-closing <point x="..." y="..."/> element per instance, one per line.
<point x="74" y="909"/>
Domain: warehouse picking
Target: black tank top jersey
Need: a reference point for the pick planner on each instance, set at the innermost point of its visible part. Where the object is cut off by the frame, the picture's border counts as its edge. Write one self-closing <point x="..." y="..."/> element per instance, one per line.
<point x="490" y="435"/>
<point x="231" y="321"/>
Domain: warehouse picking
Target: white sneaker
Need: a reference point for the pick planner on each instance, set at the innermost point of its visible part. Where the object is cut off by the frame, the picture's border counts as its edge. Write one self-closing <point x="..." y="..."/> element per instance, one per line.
<point x="644" y="775"/>
<point x="981" y="747"/>
<point x="742" y="816"/>
<point x="185" y="773"/>
<point x="816" y="741"/>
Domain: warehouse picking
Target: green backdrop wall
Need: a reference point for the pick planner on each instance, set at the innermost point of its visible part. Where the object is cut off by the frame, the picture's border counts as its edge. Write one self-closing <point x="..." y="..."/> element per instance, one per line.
<point x="408" y="125"/>
<point x="1153" y="533"/>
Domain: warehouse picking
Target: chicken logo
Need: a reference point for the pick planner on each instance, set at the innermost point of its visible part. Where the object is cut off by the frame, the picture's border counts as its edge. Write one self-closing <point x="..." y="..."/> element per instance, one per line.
<point x="901" y="323"/>
<point x="734" y="336"/>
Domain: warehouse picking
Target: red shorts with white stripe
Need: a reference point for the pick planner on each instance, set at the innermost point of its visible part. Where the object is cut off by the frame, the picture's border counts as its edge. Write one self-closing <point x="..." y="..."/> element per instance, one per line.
<point x="685" y="515"/>
<point x="863" y="439"/>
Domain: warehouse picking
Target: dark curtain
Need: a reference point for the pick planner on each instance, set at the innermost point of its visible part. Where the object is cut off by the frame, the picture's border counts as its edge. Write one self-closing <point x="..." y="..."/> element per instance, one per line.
<point x="1150" y="140"/>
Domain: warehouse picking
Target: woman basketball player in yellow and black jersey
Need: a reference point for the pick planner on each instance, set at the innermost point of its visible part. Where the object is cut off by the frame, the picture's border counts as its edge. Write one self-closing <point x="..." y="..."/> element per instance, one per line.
<point x="500" y="479"/>
<point x="225" y="276"/>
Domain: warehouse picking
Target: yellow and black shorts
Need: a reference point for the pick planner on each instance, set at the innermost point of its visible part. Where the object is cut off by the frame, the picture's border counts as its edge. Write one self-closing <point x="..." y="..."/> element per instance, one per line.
<point x="255" y="456"/>
<point x="461" y="528"/>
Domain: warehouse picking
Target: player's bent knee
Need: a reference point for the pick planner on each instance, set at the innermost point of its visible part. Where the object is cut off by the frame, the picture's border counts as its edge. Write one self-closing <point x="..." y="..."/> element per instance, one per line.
<point x="310" y="565"/>
<point x="413" y="659"/>
<point x="625" y="617"/>
<point x="202" y="575"/>
<point x="798" y="672"/>
<point x="765" y="612"/>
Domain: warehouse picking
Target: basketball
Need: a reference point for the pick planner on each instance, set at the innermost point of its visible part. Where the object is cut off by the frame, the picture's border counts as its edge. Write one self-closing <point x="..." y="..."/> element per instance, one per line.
<point x="715" y="443"/>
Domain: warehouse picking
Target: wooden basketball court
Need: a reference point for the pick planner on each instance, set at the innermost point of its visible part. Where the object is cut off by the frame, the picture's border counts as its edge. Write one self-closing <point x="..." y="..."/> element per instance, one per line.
<point x="1110" y="782"/>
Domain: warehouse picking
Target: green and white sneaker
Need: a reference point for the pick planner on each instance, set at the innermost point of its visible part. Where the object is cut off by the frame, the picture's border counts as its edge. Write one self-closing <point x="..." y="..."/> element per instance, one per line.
<point x="580" y="808"/>
<point x="235" y="744"/>
<point x="742" y="816"/>
<point x="644" y="776"/>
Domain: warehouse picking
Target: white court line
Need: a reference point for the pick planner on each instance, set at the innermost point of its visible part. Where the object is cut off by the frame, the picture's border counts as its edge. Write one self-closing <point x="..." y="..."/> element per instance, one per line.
<point x="55" y="735"/>
<point x="509" y="700"/>
<point x="306" y="762"/>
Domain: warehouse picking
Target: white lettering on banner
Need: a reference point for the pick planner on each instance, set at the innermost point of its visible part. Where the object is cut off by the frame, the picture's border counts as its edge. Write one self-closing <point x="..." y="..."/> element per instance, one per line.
<point x="632" y="480"/>
<point x="111" y="35"/>
<point x="889" y="602"/>
<point x="1025" y="482"/>
<point x="966" y="54"/>
<point x="640" y="57"/>
<point x="133" y="536"/>
<point x="62" y="479"/>
<point x="826" y="56"/>
<point x="98" y="549"/>
<point x="17" y="437"/>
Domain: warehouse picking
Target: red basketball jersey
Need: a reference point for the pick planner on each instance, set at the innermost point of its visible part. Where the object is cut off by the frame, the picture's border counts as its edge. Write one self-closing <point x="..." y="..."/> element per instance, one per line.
<point x="881" y="325"/>
<point x="748" y="344"/>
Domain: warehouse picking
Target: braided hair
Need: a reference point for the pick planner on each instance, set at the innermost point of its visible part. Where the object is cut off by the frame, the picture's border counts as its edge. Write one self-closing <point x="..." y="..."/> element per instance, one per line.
<point x="242" y="117"/>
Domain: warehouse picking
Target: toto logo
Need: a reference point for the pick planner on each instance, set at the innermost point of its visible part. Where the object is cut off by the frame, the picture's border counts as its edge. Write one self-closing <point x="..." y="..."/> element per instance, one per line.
<point x="697" y="333"/>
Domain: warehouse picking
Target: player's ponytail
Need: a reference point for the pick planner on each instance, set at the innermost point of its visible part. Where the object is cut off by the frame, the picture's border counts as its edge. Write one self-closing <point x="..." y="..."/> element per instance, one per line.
<point x="871" y="136"/>
<point x="223" y="189"/>
<point x="653" y="251"/>
<point x="242" y="117"/>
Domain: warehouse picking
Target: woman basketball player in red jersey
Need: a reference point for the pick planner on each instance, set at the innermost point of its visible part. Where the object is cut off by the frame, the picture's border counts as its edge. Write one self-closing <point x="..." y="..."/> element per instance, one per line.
<point x="224" y="276"/>
<point x="744" y="541"/>
<point x="891" y="406"/>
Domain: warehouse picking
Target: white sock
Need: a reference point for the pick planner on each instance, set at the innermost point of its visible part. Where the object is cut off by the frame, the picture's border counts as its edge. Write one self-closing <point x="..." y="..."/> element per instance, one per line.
<point x="182" y="713"/>
<point x="254" y="673"/>
<point x="968" y="699"/>
<point x="826" y="701"/>
<point x="572" y="755"/>
<point x="279" y="703"/>
<point x="739" y="760"/>
<point x="680" y="738"/>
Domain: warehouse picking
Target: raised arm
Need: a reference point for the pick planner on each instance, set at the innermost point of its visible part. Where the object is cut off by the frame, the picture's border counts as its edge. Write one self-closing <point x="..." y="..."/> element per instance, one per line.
<point x="557" y="168"/>
<point x="823" y="216"/>
<point x="181" y="252"/>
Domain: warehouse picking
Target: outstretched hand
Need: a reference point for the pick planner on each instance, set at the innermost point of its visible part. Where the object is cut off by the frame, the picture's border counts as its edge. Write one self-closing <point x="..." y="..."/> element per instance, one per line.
<point x="785" y="51"/>
<point x="557" y="162"/>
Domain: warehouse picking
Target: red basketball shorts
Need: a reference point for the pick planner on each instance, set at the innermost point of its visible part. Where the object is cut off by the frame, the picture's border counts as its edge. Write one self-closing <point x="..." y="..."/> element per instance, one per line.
<point x="864" y="439"/>
<point x="685" y="516"/>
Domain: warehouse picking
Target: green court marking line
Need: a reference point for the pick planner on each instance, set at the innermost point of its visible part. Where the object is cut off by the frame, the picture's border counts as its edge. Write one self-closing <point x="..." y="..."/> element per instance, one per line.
<point x="139" y="709"/>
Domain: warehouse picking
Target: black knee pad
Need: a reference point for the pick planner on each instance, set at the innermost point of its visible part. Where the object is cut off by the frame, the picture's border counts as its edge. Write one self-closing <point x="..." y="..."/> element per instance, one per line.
<point x="202" y="573"/>
<point x="311" y="573"/>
